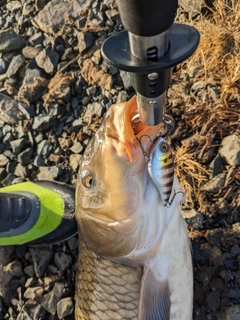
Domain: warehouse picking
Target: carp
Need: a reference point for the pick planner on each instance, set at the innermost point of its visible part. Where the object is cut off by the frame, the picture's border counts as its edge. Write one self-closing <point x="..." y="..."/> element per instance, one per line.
<point x="134" y="253"/>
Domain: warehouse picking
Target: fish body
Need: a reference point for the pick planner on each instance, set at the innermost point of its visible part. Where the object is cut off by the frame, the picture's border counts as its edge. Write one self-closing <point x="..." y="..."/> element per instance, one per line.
<point x="161" y="170"/>
<point x="122" y="220"/>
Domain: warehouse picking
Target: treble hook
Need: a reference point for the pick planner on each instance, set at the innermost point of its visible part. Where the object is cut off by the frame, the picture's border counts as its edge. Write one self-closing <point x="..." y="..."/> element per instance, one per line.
<point x="169" y="203"/>
<point x="141" y="146"/>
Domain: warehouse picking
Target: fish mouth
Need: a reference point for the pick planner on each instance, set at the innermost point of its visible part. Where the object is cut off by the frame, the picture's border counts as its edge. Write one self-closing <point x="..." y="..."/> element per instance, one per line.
<point x="134" y="132"/>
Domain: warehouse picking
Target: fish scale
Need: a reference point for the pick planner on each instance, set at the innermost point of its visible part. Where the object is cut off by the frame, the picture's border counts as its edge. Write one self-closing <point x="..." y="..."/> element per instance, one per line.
<point x="105" y="290"/>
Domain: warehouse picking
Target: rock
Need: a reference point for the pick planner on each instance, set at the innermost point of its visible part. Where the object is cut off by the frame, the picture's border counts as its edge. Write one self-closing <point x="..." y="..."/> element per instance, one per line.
<point x="47" y="60"/>
<point x="216" y="166"/>
<point x="73" y="243"/>
<point x="10" y="41"/>
<point x="16" y="63"/>
<point x="213" y="300"/>
<point x="30" y="52"/>
<point x="230" y="150"/>
<point x="230" y="313"/>
<point x="77" y="148"/>
<point x="33" y="293"/>
<point x="52" y="23"/>
<point x="126" y="79"/>
<point x="14" y="268"/>
<point x="51" y="299"/>
<point x="64" y="308"/>
<point x="18" y="145"/>
<point x="43" y="123"/>
<point x="13" y="6"/>
<point x="3" y="160"/>
<point x="9" y="110"/>
<point x="31" y="311"/>
<point x="74" y="161"/>
<point x="215" y="184"/>
<point x="44" y="148"/>
<point x="62" y="260"/>
<point x="25" y="156"/>
<point x="85" y="41"/>
<point x="29" y="271"/>
<point x="40" y="258"/>
<point x="193" y="218"/>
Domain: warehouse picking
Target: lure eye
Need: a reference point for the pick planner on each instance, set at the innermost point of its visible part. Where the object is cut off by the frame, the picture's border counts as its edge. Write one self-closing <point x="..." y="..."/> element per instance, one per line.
<point x="164" y="147"/>
<point x="87" y="179"/>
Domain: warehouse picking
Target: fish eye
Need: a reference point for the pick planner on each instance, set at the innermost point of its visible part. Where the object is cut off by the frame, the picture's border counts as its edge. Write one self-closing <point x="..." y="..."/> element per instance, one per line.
<point x="87" y="179"/>
<point x="164" y="147"/>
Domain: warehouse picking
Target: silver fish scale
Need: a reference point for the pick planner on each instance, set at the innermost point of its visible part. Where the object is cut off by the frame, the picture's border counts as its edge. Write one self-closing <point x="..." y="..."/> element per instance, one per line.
<point x="105" y="290"/>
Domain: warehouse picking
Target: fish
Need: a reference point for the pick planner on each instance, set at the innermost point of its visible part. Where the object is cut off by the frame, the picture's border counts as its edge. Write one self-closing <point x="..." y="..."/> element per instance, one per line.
<point x="134" y="252"/>
<point x="161" y="169"/>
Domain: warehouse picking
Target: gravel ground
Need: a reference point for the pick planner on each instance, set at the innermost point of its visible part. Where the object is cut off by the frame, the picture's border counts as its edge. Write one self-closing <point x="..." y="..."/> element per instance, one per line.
<point x="54" y="90"/>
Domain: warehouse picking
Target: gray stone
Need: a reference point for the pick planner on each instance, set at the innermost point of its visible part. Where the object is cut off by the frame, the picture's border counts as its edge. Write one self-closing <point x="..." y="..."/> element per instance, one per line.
<point x="43" y="123"/>
<point x="14" y="268"/>
<point x="25" y="156"/>
<point x="10" y="41"/>
<point x="77" y="148"/>
<point x="47" y="60"/>
<point x="16" y="63"/>
<point x="9" y="110"/>
<point x="51" y="299"/>
<point x="85" y="41"/>
<point x="30" y="52"/>
<point x="74" y="161"/>
<point x="13" y="6"/>
<point x="94" y="108"/>
<point x="3" y="160"/>
<point x="29" y="270"/>
<point x="91" y="91"/>
<point x="64" y="308"/>
<point x="215" y="184"/>
<point x="62" y="260"/>
<point x="40" y="258"/>
<point x="20" y="171"/>
<point x="73" y="243"/>
<point x="193" y="218"/>
<point x="55" y="172"/>
<point x="36" y="39"/>
<point x="44" y="148"/>
<point x="31" y="74"/>
<point x="230" y="150"/>
<point x="50" y="22"/>
<point x="126" y="79"/>
<point x="33" y="293"/>
<point x="18" y="145"/>
<point x="31" y="311"/>
<point x="216" y="166"/>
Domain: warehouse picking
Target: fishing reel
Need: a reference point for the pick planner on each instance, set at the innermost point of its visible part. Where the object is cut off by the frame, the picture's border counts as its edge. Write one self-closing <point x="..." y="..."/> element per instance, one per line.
<point x="148" y="49"/>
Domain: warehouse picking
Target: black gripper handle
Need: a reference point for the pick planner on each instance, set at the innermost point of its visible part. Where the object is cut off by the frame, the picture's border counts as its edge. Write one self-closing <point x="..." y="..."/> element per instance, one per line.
<point x="147" y="17"/>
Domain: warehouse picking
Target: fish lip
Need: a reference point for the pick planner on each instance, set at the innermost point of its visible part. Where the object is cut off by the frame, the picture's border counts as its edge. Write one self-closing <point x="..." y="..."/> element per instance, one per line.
<point x="136" y="131"/>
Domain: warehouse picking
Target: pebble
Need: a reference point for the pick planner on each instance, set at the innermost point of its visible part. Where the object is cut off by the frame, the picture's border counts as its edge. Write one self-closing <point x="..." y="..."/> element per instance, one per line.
<point x="193" y="218"/>
<point x="64" y="307"/>
<point x="40" y="258"/>
<point x="10" y="41"/>
<point x="230" y="150"/>
<point x="50" y="300"/>
<point x="62" y="260"/>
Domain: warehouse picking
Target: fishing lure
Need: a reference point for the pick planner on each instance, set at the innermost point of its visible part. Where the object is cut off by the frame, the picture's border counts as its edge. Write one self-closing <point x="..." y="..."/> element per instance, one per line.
<point x="160" y="167"/>
<point x="161" y="170"/>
